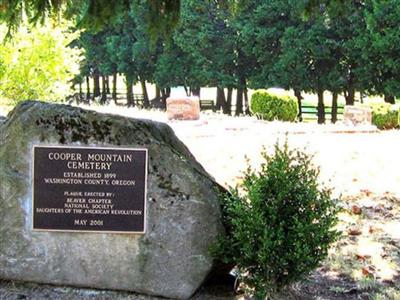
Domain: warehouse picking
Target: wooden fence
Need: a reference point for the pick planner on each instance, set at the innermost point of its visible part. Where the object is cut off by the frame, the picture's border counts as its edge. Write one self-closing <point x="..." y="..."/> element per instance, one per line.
<point x="138" y="99"/>
<point x="309" y="112"/>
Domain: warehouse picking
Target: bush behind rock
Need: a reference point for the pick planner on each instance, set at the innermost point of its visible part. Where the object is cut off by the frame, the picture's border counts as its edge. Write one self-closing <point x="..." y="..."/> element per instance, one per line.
<point x="280" y="223"/>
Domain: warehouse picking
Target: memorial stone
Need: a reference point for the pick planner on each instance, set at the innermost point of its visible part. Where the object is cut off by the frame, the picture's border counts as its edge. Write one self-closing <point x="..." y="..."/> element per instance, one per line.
<point x="355" y="115"/>
<point x="183" y="108"/>
<point x="74" y="208"/>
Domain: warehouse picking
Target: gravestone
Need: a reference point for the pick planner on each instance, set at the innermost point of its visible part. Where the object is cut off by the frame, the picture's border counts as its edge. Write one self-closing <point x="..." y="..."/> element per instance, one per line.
<point x="357" y="115"/>
<point x="103" y="201"/>
<point x="183" y="108"/>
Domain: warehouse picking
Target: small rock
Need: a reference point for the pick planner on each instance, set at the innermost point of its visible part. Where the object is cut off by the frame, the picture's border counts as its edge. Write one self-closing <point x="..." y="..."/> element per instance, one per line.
<point x="356" y="210"/>
<point x="379" y="208"/>
<point x="354" y="231"/>
<point x="363" y="257"/>
<point x="367" y="271"/>
<point x="366" y="192"/>
<point x="388" y="281"/>
<point x="371" y="229"/>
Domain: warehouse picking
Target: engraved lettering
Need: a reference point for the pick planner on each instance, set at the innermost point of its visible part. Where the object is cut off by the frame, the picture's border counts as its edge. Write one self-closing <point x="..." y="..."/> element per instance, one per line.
<point x="89" y="189"/>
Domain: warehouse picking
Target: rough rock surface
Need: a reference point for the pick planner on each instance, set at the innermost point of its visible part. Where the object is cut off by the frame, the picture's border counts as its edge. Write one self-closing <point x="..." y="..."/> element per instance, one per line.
<point x="182" y="108"/>
<point x="183" y="213"/>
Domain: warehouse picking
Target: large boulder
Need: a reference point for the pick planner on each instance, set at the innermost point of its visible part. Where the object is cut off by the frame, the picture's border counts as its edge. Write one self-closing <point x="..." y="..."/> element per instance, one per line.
<point x="183" y="214"/>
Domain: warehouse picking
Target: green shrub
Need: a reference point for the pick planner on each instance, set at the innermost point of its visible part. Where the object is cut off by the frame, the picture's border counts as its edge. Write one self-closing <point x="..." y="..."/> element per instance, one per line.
<point x="279" y="223"/>
<point x="270" y="107"/>
<point x="385" y="115"/>
<point x="38" y="63"/>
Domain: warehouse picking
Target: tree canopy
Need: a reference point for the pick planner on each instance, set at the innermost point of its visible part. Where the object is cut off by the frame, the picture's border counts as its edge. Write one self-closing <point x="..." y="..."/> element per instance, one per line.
<point x="239" y="44"/>
<point x="39" y="65"/>
<point x="161" y="15"/>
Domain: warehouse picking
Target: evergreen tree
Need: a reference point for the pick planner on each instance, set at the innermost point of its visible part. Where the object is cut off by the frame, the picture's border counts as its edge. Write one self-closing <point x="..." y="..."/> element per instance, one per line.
<point x="381" y="44"/>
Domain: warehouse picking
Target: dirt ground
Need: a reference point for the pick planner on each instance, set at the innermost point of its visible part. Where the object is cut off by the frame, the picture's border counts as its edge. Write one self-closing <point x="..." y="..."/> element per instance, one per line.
<point x="361" y="165"/>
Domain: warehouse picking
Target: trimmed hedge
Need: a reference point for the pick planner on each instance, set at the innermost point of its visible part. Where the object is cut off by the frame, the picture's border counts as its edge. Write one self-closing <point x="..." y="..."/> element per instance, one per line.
<point x="385" y="115"/>
<point x="271" y="107"/>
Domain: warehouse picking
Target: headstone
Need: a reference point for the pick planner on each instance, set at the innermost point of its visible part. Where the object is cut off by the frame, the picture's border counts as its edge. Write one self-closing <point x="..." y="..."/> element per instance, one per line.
<point x="54" y="158"/>
<point x="183" y="108"/>
<point x="357" y="115"/>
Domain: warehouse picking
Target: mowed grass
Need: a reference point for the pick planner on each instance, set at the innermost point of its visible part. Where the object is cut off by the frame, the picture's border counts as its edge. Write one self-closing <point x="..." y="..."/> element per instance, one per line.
<point x="361" y="168"/>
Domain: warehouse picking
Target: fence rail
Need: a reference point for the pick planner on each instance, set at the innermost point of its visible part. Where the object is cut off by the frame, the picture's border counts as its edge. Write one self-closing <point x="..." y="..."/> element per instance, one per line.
<point x="120" y="99"/>
<point x="311" y="112"/>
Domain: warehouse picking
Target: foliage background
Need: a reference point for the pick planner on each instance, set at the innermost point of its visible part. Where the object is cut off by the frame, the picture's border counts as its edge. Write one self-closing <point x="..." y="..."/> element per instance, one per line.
<point x="37" y="63"/>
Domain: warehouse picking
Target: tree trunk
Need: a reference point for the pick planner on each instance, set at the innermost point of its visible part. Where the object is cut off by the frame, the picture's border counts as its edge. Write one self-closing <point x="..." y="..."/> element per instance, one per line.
<point x="195" y="91"/>
<point x="321" y="107"/>
<point x="220" y="98"/>
<point x="218" y="102"/>
<point x="103" y="90"/>
<point x="239" y="101"/>
<point x="239" y="96"/>
<point x="129" y="93"/>
<point x="114" y="88"/>
<point x="246" y="101"/>
<point x="107" y="85"/>
<point x="389" y="99"/>
<point x="164" y="96"/>
<point x="96" y="85"/>
<point x="349" y="96"/>
<point x="87" y="88"/>
<point x="299" y="97"/>
<point x="187" y="90"/>
<point x="80" y="91"/>
<point x="227" y="108"/>
<point x="146" y="102"/>
<point x="334" y="107"/>
<point x="158" y="93"/>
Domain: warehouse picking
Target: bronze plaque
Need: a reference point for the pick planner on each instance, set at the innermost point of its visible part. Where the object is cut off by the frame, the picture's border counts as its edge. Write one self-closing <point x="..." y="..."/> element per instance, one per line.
<point x="89" y="189"/>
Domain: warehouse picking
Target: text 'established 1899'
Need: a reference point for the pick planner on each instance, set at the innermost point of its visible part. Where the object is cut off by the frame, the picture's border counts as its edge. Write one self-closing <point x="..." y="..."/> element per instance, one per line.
<point x="89" y="189"/>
